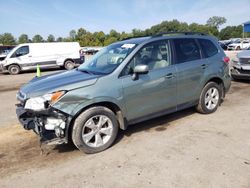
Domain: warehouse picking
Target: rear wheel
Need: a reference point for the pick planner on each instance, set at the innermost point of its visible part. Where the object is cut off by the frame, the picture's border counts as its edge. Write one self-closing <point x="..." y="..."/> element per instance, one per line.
<point x="95" y="130"/>
<point x="210" y="98"/>
<point x="69" y="65"/>
<point x="238" y="48"/>
<point x="14" y="69"/>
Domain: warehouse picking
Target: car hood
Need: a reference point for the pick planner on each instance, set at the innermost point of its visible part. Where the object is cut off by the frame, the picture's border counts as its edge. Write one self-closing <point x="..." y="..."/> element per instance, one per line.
<point x="67" y="80"/>
<point x="244" y="54"/>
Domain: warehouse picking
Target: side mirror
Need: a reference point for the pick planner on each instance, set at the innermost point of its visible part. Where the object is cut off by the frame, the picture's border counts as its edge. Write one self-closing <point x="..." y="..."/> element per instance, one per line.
<point x="139" y="69"/>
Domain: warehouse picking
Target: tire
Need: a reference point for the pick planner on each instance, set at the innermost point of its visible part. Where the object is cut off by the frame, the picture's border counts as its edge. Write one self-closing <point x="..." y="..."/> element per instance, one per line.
<point x="95" y="130"/>
<point x="210" y="98"/>
<point x="14" y="69"/>
<point x="69" y="65"/>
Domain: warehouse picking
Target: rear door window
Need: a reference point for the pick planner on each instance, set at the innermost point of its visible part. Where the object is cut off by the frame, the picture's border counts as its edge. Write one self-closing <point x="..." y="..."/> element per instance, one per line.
<point x="208" y="47"/>
<point x="186" y="50"/>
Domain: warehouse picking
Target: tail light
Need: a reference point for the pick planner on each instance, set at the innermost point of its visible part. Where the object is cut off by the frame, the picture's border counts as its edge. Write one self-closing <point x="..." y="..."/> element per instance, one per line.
<point x="226" y="59"/>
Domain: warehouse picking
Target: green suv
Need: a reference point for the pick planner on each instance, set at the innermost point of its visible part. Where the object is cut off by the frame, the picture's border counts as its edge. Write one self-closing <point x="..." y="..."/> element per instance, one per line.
<point x="126" y="82"/>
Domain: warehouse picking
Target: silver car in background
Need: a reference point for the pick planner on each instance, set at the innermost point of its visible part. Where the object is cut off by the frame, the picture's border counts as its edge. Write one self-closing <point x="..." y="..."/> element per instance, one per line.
<point x="241" y="66"/>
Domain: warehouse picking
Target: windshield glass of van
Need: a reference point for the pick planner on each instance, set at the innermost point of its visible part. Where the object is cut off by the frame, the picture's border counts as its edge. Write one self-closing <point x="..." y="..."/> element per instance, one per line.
<point x="108" y="59"/>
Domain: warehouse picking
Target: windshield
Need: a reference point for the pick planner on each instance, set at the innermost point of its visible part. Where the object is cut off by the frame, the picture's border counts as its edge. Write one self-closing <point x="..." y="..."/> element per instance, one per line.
<point x="107" y="59"/>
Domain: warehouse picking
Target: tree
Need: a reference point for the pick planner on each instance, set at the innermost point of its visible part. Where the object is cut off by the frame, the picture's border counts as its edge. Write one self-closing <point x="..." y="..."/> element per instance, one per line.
<point x="51" y="38"/>
<point x="7" y="39"/>
<point x="23" y="38"/>
<point x="72" y="35"/>
<point x="231" y="32"/>
<point x="216" y="21"/>
<point x="37" y="38"/>
<point x="59" y="39"/>
<point x="109" y="40"/>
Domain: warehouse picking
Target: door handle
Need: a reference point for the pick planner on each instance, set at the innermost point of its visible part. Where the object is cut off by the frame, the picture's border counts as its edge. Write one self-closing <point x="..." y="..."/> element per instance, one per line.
<point x="204" y="66"/>
<point x="30" y="56"/>
<point x="170" y="75"/>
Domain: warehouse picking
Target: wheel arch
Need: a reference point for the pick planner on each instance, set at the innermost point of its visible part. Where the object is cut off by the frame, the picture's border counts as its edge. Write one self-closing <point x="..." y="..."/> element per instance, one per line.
<point x="7" y="66"/>
<point x="110" y="105"/>
<point x="68" y="59"/>
<point x="219" y="81"/>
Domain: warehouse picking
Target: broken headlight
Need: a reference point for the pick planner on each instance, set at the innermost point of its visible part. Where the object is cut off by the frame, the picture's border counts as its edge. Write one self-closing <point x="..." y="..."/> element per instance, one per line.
<point x="40" y="103"/>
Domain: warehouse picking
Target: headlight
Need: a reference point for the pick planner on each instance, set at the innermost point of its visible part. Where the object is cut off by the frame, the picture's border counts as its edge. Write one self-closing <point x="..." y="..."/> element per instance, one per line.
<point x="39" y="103"/>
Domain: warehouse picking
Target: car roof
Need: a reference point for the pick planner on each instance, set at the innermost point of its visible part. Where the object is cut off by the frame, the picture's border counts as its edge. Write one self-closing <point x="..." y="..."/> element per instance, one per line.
<point x="140" y="40"/>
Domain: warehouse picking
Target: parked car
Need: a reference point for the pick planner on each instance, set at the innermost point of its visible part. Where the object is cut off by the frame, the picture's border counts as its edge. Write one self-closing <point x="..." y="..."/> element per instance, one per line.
<point x="223" y="46"/>
<point x="241" y="66"/>
<point x="4" y="54"/>
<point x="119" y="87"/>
<point x="239" y="45"/>
<point x="46" y="55"/>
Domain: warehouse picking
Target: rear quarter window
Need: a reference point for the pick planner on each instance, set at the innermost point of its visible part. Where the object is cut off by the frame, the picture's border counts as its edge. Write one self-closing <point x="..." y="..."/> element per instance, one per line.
<point x="208" y="47"/>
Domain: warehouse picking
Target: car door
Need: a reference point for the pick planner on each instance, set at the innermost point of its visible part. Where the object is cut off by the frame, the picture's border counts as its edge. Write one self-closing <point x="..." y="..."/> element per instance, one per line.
<point x="190" y="70"/>
<point x="21" y="56"/>
<point x="152" y="93"/>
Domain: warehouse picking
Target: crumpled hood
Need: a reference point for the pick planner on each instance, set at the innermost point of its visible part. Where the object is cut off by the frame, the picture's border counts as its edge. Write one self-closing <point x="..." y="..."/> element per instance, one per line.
<point x="66" y="80"/>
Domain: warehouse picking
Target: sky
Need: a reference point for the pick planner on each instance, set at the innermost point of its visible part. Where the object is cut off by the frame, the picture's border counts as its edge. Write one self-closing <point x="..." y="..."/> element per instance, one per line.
<point x="59" y="17"/>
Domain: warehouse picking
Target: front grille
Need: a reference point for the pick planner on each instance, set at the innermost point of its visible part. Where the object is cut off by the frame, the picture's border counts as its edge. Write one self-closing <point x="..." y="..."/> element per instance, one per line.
<point x="244" y="71"/>
<point x="245" y="60"/>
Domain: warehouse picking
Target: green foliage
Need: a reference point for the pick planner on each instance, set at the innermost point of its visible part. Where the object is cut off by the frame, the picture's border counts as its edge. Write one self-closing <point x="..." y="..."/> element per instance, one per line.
<point x="59" y="39"/>
<point x="232" y="32"/>
<point x="51" y="38"/>
<point x="72" y="35"/>
<point x="99" y="38"/>
<point x="216" y="21"/>
<point x="7" y="39"/>
<point x="23" y="38"/>
<point x="37" y="38"/>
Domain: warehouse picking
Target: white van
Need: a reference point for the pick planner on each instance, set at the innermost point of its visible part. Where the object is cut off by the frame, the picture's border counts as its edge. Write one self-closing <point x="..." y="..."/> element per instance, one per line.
<point x="47" y="55"/>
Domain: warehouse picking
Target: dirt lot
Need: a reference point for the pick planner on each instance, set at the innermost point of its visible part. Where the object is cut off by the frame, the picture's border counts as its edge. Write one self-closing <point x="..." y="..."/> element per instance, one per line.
<point x="185" y="149"/>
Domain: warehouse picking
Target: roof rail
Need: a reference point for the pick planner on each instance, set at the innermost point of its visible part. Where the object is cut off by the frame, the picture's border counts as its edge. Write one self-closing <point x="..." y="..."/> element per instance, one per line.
<point x="174" y="33"/>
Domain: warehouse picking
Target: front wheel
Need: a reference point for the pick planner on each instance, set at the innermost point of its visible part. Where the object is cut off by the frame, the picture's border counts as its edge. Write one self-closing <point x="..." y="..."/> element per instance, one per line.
<point x="210" y="98"/>
<point x="14" y="69"/>
<point x="95" y="130"/>
<point x="69" y="65"/>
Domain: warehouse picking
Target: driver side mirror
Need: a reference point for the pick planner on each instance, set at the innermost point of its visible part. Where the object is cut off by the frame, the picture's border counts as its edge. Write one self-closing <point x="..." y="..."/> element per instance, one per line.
<point x="139" y="69"/>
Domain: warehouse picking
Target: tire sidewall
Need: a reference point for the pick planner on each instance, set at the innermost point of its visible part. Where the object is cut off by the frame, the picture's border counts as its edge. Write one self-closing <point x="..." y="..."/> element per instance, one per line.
<point x="202" y="99"/>
<point x="14" y="66"/>
<point x="79" y="124"/>
<point x="67" y="63"/>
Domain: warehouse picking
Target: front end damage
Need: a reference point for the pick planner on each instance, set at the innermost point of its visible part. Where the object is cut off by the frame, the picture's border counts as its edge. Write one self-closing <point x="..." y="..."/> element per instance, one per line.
<point x="241" y="66"/>
<point x="50" y="124"/>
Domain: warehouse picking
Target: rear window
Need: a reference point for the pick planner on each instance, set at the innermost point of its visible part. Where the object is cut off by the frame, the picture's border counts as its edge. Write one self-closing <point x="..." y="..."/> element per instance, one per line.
<point x="209" y="49"/>
<point x="186" y="50"/>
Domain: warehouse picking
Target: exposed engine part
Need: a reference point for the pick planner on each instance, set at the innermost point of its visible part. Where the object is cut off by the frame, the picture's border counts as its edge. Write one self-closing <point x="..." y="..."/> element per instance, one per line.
<point x="51" y="123"/>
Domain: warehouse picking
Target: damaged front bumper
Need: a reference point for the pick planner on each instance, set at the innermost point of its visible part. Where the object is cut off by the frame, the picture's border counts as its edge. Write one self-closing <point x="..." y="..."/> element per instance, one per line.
<point x="240" y="71"/>
<point x="51" y="125"/>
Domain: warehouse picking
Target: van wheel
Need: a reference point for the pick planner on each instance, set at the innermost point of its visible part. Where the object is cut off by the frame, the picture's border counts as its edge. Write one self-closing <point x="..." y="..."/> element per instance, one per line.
<point x="210" y="98"/>
<point x="95" y="130"/>
<point x="14" y="69"/>
<point x="69" y="65"/>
